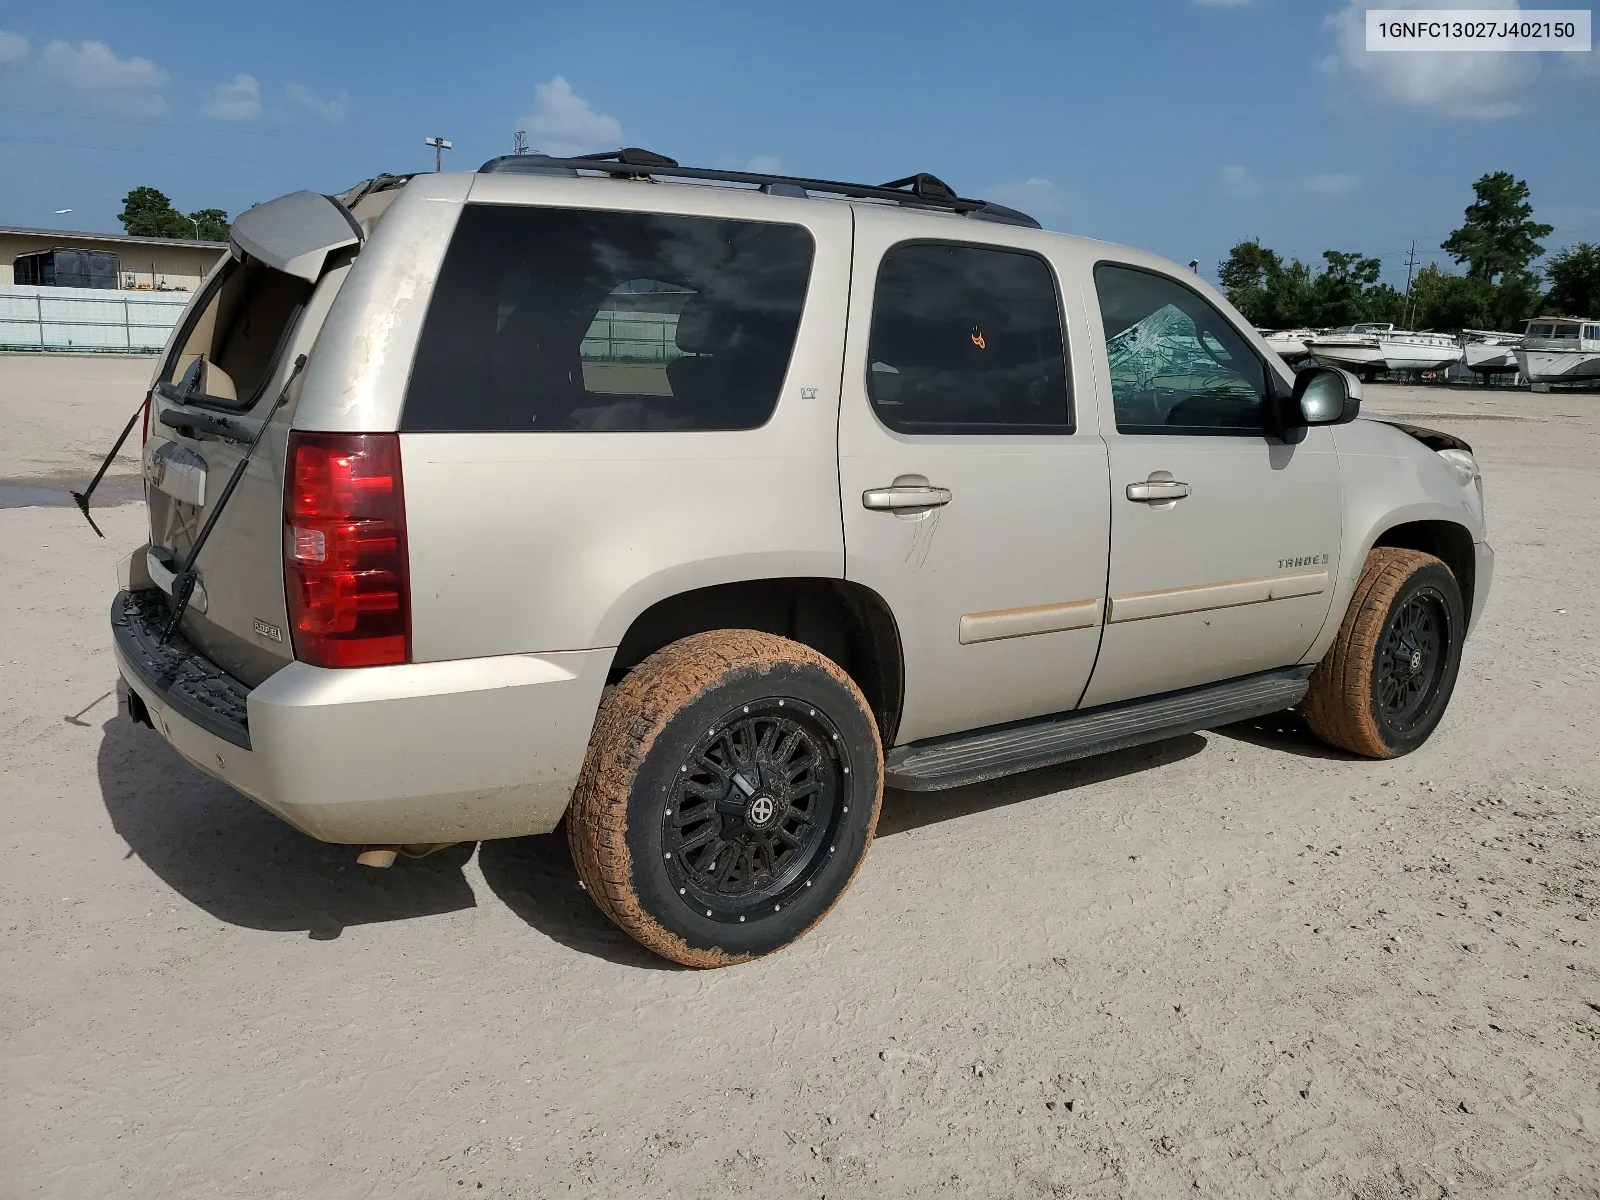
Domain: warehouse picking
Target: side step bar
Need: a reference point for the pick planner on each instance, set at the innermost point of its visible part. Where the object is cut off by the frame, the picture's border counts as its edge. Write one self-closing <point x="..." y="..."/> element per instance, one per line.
<point x="964" y="758"/>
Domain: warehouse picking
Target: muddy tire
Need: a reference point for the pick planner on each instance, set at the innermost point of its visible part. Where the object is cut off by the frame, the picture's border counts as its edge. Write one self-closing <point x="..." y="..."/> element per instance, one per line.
<point x="1383" y="685"/>
<point x="730" y="792"/>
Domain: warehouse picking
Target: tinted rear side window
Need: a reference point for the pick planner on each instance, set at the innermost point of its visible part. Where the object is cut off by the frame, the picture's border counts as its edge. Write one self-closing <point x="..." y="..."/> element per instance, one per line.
<point x="554" y="319"/>
<point x="967" y="339"/>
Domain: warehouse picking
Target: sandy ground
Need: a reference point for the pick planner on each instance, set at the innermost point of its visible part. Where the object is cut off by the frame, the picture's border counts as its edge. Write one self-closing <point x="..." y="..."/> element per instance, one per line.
<point x="1231" y="965"/>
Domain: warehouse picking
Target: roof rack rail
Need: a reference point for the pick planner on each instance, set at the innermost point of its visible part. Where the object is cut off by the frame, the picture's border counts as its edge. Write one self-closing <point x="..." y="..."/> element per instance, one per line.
<point x="920" y="191"/>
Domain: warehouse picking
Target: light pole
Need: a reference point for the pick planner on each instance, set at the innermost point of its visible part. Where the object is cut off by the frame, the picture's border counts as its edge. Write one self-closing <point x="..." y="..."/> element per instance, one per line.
<point x="196" y="225"/>
<point x="439" y="147"/>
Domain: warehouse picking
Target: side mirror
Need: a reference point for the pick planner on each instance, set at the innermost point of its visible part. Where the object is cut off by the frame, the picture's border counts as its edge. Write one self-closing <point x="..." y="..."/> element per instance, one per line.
<point x="1325" y="396"/>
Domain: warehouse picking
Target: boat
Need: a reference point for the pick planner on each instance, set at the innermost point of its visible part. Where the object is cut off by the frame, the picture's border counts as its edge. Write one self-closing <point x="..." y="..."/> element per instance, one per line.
<point x="1488" y="352"/>
<point x="1289" y="344"/>
<point x="1407" y="352"/>
<point x="1352" y="347"/>
<point x="1560" y="350"/>
<point x="1373" y="346"/>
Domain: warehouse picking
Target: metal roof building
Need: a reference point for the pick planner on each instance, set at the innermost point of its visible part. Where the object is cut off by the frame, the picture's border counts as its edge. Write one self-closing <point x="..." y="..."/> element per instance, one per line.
<point x="143" y="263"/>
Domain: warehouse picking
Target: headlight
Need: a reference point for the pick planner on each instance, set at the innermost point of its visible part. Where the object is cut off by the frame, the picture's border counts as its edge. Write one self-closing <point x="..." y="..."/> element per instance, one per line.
<point x="1465" y="469"/>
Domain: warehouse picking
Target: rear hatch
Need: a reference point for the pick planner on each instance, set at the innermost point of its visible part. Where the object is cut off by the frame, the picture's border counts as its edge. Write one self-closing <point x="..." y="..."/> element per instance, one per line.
<point x="229" y="364"/>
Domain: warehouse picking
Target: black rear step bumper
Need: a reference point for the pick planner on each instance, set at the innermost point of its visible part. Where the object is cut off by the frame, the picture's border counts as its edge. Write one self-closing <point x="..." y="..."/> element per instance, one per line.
<point x="186" y="680"/>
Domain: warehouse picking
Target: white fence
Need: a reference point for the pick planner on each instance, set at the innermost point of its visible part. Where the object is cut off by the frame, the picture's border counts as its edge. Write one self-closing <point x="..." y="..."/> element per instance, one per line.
<point x="89" y="320"/>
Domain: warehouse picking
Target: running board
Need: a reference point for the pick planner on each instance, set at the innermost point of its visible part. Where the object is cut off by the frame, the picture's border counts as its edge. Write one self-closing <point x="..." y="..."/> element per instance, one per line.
<point x="964" y="758"/>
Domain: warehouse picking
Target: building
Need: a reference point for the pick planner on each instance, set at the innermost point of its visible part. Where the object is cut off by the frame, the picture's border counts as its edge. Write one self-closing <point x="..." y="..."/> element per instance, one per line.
<point x="143" y="263"/>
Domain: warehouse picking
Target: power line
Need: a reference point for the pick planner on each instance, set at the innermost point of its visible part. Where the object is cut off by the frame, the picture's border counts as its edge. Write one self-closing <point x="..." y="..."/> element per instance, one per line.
<point x="40" y="112"/>
<point x="274" y="162"/>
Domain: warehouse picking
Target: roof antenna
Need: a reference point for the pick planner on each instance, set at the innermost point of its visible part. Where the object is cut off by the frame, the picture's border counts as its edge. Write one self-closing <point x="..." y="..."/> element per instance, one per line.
<point x="519" y="142"/>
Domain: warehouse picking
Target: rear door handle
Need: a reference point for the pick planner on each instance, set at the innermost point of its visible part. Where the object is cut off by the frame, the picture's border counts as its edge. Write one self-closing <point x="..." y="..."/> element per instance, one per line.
<point x="889" y="499"/>
<point x="1157" y="491"/>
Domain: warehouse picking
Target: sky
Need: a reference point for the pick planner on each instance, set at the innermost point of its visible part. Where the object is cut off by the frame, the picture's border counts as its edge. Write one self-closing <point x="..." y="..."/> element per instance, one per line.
<point x="1179" y="126"/>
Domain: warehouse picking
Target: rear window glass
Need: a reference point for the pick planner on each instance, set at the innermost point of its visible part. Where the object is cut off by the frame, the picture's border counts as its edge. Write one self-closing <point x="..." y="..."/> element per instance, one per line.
<point x="550" y="319"/>
<point x="240" y="329"/>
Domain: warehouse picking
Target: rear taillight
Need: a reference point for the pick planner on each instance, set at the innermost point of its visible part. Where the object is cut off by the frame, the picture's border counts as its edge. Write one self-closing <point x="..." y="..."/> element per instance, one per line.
<point x="344" y="550"/>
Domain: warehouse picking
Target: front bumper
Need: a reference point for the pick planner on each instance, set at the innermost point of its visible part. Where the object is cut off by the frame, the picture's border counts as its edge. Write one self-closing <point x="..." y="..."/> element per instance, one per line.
<point x="425" y="752"/>
<point x="1482" y="577"/>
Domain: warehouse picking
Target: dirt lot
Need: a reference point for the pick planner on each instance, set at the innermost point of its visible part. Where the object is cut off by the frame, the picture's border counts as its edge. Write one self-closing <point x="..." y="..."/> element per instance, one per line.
<point x="1230" y="965"/>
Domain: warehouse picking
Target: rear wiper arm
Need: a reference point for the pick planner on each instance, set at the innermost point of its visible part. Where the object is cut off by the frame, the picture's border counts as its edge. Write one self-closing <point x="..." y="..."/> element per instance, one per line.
<point x="183" y="585"/>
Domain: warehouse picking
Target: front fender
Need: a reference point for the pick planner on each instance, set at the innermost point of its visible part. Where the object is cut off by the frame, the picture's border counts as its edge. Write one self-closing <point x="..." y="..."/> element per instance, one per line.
<point x="1389" y="479"/>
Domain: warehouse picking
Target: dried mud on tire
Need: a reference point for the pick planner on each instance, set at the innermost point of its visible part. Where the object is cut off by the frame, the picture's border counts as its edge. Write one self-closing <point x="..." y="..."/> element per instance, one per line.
<point x="630" y="722"/>
<point x="1338" y="705"/>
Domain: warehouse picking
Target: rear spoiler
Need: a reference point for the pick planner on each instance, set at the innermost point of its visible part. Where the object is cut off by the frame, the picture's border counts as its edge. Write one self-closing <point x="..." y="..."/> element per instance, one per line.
<point x="295" y="233"/>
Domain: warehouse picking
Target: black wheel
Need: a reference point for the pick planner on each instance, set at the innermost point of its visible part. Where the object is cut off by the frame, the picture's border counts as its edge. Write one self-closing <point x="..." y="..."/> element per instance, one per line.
<point x="730" y="792"/>
<point x="1384" y="684"/>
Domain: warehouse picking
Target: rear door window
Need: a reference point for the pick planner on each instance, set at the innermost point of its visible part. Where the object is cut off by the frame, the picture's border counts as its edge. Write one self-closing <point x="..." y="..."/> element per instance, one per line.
<point x="567" y="320"/>
<point x="967" y="340"/>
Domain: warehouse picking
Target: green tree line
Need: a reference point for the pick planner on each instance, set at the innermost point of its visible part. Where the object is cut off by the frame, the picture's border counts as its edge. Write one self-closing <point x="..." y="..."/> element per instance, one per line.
<point x="1497" y="243"/>
<point x="147" y="212"/>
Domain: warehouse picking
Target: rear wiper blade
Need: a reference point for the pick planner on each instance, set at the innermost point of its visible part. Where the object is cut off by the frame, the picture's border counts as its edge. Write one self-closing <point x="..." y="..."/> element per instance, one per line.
<point x="183" y="584"/>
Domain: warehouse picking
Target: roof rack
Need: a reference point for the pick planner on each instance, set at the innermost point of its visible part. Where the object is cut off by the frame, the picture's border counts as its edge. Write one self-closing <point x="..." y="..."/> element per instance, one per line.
<point x="920" y="191"/>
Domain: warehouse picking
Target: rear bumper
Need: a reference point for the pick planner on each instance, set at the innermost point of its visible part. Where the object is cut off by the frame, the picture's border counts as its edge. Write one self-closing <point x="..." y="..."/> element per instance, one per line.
<point x="426" y="752"/>
<point x="1482" y="577"/>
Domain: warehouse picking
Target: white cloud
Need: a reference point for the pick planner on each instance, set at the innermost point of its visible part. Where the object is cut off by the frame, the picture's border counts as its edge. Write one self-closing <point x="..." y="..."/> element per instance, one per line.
<point x="131" y="85"/>
<point x="236" y="101"/>
<point x="13" y="47"/>
<point x="563" y="124"/>
<point x="1238" y="182"/>
<point x="1036" y="197"/>
<point x="93" y="67"/>
<point x="1333" y="183"/>
<point x="1481" y="85"/>
<point x="762" y="164"/>
<point x="331" y="110"/>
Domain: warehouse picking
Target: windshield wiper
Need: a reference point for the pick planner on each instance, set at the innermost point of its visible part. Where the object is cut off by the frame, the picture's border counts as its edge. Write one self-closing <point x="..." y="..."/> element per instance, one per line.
<point x="183" y="585"/>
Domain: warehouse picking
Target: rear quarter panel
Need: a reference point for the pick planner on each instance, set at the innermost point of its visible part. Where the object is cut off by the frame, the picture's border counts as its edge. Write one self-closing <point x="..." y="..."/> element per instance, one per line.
<point x="535" y="542"/>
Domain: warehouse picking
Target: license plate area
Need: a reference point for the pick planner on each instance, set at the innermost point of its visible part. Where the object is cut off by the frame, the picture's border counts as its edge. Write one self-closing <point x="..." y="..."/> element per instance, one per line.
<point x="177" y="471"/>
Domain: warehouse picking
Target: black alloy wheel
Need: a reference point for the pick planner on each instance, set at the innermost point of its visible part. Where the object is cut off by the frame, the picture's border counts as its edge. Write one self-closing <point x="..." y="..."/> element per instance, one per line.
<point x="755" y="809"/>
<point x="1411" y="660"/>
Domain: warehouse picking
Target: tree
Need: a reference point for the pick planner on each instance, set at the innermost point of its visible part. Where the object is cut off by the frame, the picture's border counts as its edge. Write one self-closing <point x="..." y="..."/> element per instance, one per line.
<point x="1574" y="276"/>
<point x="213" y="224"/>
<point x="147" y="212"/>
<point x="1450" y="303"/>
<point x="1340" y="289"/>
<point x="1268" y="293"/>
<point x="1499" y="235"/>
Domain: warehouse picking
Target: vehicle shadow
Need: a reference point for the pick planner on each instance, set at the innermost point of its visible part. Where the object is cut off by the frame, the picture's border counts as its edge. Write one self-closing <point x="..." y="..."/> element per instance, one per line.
<point x="535" y="878"/>
<point x="243" y="865"/>
<point x="1286" y="731"/>
<point x="912" y="810"/>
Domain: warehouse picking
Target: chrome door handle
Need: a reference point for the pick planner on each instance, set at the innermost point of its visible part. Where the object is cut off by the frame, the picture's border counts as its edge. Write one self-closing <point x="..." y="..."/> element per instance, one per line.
<point x="889" y="499"/>
<point x="1157" y="491"/>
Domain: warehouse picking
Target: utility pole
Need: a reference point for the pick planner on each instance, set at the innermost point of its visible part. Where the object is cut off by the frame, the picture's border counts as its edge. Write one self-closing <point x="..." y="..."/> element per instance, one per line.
<point x="519" y="142"/>
<point x="1411" y="262"/>
<point x="439" y="147"/>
